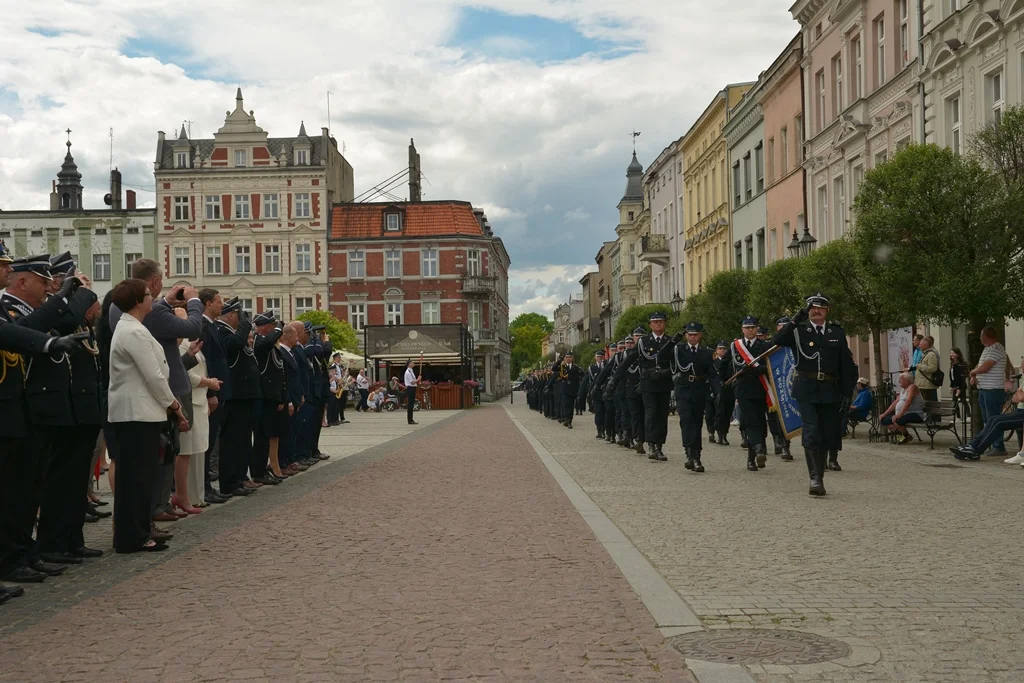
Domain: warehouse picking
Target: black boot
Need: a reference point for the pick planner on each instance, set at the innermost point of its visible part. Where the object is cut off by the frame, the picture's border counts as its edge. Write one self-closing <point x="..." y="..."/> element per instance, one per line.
<point x="640" y="447"/>
<point x="817" y="485"/>
<point x="661" y="454"/>
<point x="697" y="465"/>
<point x="652" y="451"/>
<point x="609" y="437"/>
<point x="600" y="433"/>
<point x="761" y="455"/>
<point x="722" y="441"/>
<point x="751" y="460"/>
<point x="777" y="443"/>
<point x="689" y="459"/>
<point x="628" y="441"/>
<point x="711" y="437"/>
<point x="833" y="460"/>
<point x="786" y="455"/>
<point x="743" y="442"/>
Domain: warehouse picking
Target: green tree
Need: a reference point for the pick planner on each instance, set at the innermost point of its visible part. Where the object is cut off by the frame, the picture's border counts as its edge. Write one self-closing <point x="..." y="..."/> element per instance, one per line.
<point x="775" y="291"/>
<point x="638" y="316"/>
<point x="343" y="337"/>
<point x="531" y="319"/>
<point x="720" y="307"/>
<point x="526" y="346"/>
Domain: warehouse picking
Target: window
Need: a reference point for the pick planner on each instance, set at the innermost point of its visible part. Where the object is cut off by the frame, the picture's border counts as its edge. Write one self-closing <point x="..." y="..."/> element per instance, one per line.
<point x="820" y="81"/>
<point x="393" y="222"/>
<point x="750" y="253"/>
<point x="242" y="261"/>
<point x="738" y="255"/>
<point x="240" y="157"/>
<point x="771" y="160"/>
<point x="817" y="31"/>
<point x="181" y="208"/>
<point x="858" y="178"/>
<point x="879" y="52"/>
<point x="393" y="263"/>
<point x="784" y="148"/>
<point x="181" y="160"/>
<point x="699" y="194"/>
<point x="100" y="231"/>
<point x="213" y="261"/>
<point x="746" y="175"/>
<point x="837" y="85"/>
<point x="270" y="206"/>
<point x="101" y="267"/>
<point x="357" y="316"/>
<point x="473" y="262"/>
<point x="714" y="191"/>
<point x="857" y="82"/>
<point x="995" y="96"/>
<point x="631" y="216"/>
<point x="393" y="314"/>
<point x="129" y="259"/>
<point x="182" y="260"/>
<point x="272" y="303"/>
<point x="271" y="258"/>
<point x="773" y="241"/>
<point x="302" y="205"/>
<point x="839" y="199"/>
<point x="798" y="121"/>
<point x="904" y="46"/>
<point x="301" y="157"/>
<point x="131" y="231"/>
<point x="430" y="312"/>
<point x="356" y="263"/>
<point x="303" y="304"/>
<point x="760" y="248"/>
<point x="303" y="258"/>
<point x="822" y="208"/>
<point x="632" y="257"/>
<point x="759" y="166"/>
<point x="212" y="207"/>
<point x="476" y="315"/>
<point x="428" y="267"/>
<point x="881" y="157"/>
<point x="953" y="115"/>
<point x="246" y="305"/>
<point x="736" y="186"/>
<point x="241" y="206"/>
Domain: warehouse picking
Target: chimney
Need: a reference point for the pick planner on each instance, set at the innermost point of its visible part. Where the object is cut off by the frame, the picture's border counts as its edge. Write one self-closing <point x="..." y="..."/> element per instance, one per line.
<point x="129" y="199"/>
<point x="414" y="173"/>
<point x="115" y="190"/>
<point x="54" y="202"/>
<point x="160" y="138"/>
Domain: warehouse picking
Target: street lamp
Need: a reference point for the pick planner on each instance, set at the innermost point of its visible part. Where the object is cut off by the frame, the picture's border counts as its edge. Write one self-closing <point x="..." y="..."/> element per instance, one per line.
<point x="794" y="246"/>
<point x="511" y="391"/>
<point x="807" y="243"/>
<point x="677" y="303"/>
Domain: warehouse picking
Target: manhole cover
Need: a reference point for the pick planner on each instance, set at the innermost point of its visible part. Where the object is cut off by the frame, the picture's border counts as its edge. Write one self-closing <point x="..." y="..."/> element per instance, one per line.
<point x="757" y="646"/>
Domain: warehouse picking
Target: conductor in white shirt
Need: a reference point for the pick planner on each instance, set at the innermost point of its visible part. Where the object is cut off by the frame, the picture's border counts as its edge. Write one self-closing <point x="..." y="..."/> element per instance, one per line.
<point x="411" y="381"/>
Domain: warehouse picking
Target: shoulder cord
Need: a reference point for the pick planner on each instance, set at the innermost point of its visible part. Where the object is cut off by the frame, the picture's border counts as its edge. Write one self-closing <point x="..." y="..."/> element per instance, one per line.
<point x="678" y="363"/>
<point x="815" y="356"/>
<point x="10" y="360"/>
<point x="644" y="353"/>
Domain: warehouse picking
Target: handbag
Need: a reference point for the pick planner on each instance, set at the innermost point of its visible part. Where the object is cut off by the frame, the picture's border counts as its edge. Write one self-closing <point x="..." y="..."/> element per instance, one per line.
<point x="170" y="443"/>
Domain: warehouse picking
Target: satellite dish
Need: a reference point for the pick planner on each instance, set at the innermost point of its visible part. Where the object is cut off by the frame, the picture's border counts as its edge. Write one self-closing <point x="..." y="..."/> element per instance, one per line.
<point x="108" y="199"/>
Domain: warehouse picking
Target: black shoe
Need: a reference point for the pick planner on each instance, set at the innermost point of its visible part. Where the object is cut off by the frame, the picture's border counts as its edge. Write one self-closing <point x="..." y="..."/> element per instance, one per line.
<point x="91" y="518"/>
<point x="761" y="456"/>
<point x="47" y="568"/>
<point x="413" y="422"/>
<point x="14" y="591"/>
<point x="786" y="455"/>
<point x="640" y="448"/>
<point x="662" y="457"/>
<point x="751" y="464"/>
<point x="833" y="462"/>
<point x="61" y="558"/>
<point x="654" y="453"/>
<point x="24" y="574"/>
<point x="4" y="595"/>
<point x="241" y="491"/>
<point x="322" y="456"/>
<point x="744" y="444"/>
<point x="722" y="441"/>
<point x="102" y="514"/>
<point x="817" y="487"/>
<point x="87" y="552"/>
<point x="697" y="465"/>
<point x="568" y="425"/>
<point x="689" y="464"/>
<point x="215" y="498"/>
<point x="269" y="481"/>
<point x="600" y="435"/>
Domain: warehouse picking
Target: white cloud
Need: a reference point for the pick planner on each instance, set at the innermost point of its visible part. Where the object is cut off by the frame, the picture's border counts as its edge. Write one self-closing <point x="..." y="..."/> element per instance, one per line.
<point x="541" y="290"/>
<point x="577" y="215"/>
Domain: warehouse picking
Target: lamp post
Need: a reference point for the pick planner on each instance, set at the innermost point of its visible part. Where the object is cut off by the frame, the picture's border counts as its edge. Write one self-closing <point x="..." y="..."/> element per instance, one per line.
<point x="802" y="245"/>
<point x="511" y="390"/>
<point x="677" y="303"/>
<point x="794" y="246"/>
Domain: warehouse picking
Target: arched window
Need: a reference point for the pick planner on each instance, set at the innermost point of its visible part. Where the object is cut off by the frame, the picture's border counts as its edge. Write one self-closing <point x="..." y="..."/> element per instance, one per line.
<point x="65" y="201"/>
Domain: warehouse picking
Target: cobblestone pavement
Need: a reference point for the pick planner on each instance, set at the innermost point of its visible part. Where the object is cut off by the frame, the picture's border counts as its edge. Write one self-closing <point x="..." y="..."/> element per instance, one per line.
<point x="448" y="553"/>
<point x="909" y="553"/>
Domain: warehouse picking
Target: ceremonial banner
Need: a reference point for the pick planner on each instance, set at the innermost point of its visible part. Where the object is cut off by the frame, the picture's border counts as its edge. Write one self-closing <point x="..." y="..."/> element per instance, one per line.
<point x="781" y="369"/>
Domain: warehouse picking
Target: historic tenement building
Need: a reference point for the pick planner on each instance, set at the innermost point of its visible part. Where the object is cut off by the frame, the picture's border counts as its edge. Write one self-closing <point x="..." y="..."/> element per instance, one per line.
<point x="249" y="214"/>
<point x="662" y="248"/>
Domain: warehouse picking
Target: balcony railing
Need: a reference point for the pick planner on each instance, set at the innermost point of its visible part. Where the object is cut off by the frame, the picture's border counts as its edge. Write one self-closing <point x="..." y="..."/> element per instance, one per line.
<point x="485" y="336"/>
<point x="654" y="249"/>
<point x="479" y="284"/>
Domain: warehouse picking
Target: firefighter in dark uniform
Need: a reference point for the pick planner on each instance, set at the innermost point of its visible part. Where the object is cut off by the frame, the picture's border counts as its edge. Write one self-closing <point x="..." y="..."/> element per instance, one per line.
<point x="725" y="401"/>
<point x="749" y="389"/>
<point x="48" y="392"/>
<point x="634" y="401"/>
<point x="20" y="342"/>
<point x="318" y="350"/>
<point x="823" y="382"/>
<point x="274" y="410"/>
<point x="655" y="386"/>
<point x="240" y="411"/>
<point x="570" y="376"/>
<point x="558" y="389"/>
<point x="600" y="392"/>
<point x="597" y="405"/>
<point x="616" y="390"/>
<point x="693" y="372"/>
<point x="779" y="440"/>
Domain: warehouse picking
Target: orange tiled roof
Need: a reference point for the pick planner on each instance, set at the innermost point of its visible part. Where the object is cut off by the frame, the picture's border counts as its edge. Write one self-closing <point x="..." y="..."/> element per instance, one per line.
<point x="421" y="219"/>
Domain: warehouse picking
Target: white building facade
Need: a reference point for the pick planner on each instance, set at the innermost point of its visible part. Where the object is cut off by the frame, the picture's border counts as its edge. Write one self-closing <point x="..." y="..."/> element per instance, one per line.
<point x="663" y="188"/>
<point x="744" y="134"/>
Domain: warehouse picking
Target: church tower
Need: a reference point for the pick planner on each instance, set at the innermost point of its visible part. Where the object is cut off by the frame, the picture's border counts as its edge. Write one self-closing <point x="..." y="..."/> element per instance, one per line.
<point x="69" y="183"/>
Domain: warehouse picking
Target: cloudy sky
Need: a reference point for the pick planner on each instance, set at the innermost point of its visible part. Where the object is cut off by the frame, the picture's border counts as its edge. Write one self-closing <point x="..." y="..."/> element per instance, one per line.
<point x="523" y="107"/>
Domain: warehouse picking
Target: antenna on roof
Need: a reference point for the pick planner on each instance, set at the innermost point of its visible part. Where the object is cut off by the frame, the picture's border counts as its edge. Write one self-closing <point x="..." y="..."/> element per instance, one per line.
<point x="111" y="151"/>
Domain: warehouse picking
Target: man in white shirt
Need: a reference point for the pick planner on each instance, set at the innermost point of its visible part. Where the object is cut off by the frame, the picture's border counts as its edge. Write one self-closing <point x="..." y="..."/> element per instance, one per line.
<point x="990" y="376"/>
<point x="411" y="381"/>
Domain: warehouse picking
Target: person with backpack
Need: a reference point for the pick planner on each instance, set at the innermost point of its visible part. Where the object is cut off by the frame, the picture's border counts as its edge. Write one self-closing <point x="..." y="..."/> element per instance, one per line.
<point x="928" y="376"/>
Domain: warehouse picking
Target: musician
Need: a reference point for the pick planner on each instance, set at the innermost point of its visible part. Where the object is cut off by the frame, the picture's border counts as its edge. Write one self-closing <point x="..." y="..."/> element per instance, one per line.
<point x="571" y="375"/>
<point x="655" y="386"/>
<point x="274" y="406"/>
<point x="693" y="373"/>
<point x="240" y="410"/>
<point x="750" y="387"/>
<point x="823" y="383"/>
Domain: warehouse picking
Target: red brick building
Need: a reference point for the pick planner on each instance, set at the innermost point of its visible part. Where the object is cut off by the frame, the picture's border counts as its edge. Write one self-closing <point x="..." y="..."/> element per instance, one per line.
<point x="412" y="263"/>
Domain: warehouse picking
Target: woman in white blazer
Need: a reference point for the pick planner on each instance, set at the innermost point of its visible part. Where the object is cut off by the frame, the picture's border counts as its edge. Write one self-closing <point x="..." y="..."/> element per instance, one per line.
<point x="139" y="401"/>
<point x="189" y="472"/>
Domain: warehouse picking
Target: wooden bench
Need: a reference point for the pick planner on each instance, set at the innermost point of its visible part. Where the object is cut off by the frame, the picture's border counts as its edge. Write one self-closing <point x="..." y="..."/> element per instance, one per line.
<point x="939" y="416"/>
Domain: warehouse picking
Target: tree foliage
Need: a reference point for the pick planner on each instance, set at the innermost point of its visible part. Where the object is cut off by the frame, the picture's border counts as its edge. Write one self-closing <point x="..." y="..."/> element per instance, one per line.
<point x="775" y="291"/>
<point x="343" y="337"/>
<point x="638" y="316"/>
<point x="526" y="346"/>
<point x="531" y="319"/>
<point x="721" y="306"/>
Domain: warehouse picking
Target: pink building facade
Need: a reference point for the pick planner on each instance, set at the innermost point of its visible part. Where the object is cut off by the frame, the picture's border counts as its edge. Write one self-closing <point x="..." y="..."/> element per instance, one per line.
<point x="782" y="104"/>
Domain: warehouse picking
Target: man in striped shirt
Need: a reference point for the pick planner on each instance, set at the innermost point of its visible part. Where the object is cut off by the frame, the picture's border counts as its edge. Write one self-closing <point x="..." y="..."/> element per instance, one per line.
<point x="989" y="377"/>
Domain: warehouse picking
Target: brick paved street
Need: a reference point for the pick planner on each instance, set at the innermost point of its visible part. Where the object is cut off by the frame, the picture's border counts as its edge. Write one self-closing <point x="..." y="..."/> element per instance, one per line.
<point x="447" y="552"/>
<point x="917" y="559"/>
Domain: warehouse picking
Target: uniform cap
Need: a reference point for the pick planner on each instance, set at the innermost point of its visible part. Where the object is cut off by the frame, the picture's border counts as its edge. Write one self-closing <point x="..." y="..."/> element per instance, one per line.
<point x="40" y="265"/>
<point x="722" y="344"/>
<point x="817" y="299"/>
<point x="784" y="320"/>
<point x="762" y="330"/>
<point x="694" y="326"/>
<point x="599" y="352"/>
<point x="231" y="306"/>
<point x="62" y="265"/>
<point x="657" y="315"/>
<point x="639" y="332"/>
<point x="750" y="321"/>
<point x="264" y="318"/>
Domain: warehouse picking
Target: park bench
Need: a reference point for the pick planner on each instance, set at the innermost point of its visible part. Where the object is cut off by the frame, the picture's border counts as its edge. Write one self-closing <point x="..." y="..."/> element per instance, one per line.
<point x="939" y="416"/>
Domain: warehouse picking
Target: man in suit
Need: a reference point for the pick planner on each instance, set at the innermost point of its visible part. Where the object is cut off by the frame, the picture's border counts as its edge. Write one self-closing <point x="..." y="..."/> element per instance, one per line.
<point x="823" y="382"/>
<point x="304" y="413"/>
<point x="750" y="389"/>
<point x="693" y="372"/>
<point x="274" y="407"/>
<point x="240" y="414"/>
<point x="571" y="375"/>
<point x="217" y="367"/>
<point x="318" y="350"/>
<point x="293" y="395"/>
<point x="655" y="386"/>
<point x="167" y="329"/>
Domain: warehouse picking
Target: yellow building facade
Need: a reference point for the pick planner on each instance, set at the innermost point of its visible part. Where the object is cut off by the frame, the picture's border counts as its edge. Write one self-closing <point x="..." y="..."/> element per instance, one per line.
<point x="707" y="179"/>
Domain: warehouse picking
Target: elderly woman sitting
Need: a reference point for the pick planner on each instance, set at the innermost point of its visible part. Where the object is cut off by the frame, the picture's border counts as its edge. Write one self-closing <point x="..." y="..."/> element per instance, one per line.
<point x="907" y="408"/>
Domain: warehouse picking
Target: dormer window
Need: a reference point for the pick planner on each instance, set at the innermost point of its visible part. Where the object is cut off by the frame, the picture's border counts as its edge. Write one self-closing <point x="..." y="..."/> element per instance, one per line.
<point x="240" y="158"/>
<point x="302" y="157"/>
<point x="181" y="160"/>
<point x="393" y="222"/>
